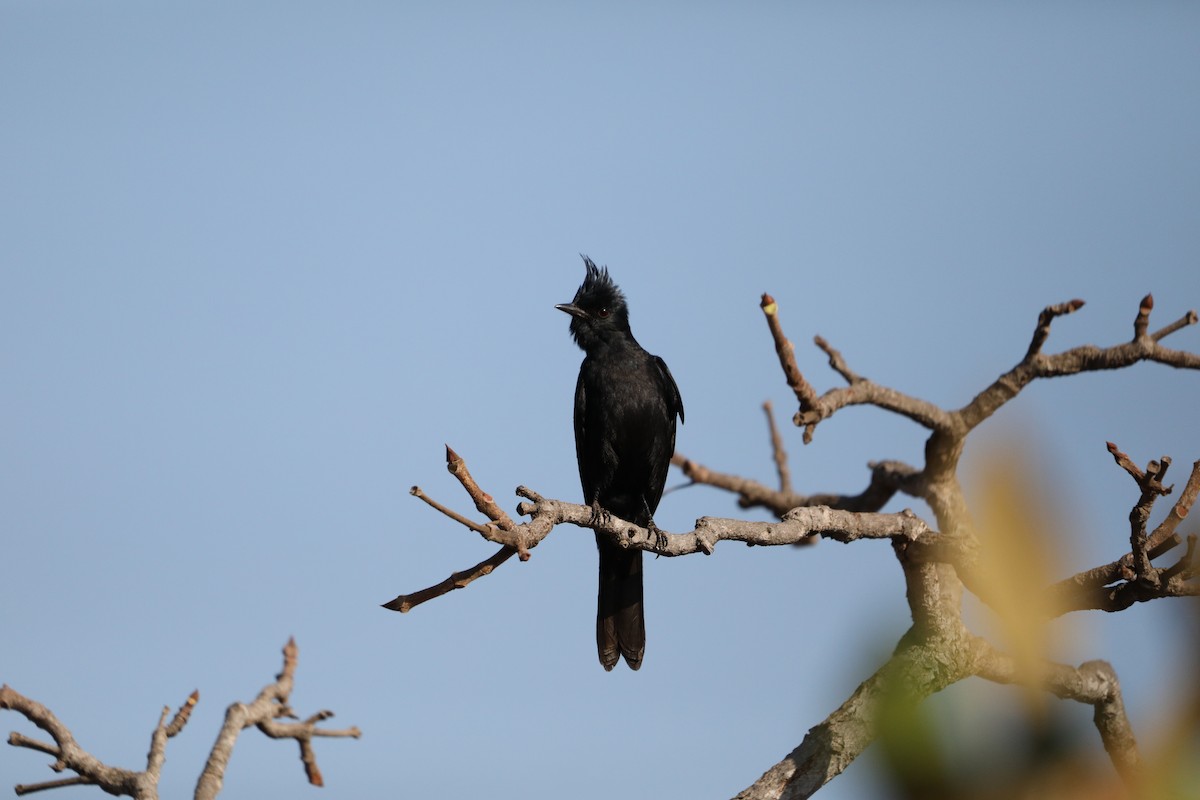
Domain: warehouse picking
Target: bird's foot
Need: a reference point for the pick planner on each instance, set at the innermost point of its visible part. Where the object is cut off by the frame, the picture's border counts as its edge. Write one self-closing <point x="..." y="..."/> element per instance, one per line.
<point x="600" y="517"/>
<point x="659" y="536"/>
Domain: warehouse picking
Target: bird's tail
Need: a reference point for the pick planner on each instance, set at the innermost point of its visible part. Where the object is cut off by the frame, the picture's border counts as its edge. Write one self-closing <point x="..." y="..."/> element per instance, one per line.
<point x="620" y="620"/>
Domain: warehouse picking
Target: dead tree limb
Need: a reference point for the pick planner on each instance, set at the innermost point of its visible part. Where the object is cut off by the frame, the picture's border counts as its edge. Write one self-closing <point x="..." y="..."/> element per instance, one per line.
<point x="264" y="712"/>
<point x="143" y="785"/>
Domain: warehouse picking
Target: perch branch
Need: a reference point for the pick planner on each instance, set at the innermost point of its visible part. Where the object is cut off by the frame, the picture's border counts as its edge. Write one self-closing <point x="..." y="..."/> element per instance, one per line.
<point x="796" y="525"/>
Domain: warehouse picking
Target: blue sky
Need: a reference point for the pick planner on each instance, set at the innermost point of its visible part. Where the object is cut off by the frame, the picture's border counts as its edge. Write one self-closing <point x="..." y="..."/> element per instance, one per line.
<point x="261" y="261"/>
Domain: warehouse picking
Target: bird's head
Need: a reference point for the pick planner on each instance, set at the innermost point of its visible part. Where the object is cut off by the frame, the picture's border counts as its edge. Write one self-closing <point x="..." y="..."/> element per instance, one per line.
<point x="598" y="312"/>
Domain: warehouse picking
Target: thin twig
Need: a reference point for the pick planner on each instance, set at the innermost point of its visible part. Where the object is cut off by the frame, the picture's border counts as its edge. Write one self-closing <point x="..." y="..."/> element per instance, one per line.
<point x="184" y="714"/>
<point x="417" y="492"/>
<point x="1126" y="463"/>
<point x="805" y="394"/>
<point x="30" y="788"/>
<point x="778" y="451"/>
<point x="483" y="501"/>
<point x="887" y="478"/>
<point x="1042" y="331"/>
<point x="836" y="362"/>
<point x="1142" y="320"/>
<point x="1189" y="318"/>
<point x="458" y="580"/>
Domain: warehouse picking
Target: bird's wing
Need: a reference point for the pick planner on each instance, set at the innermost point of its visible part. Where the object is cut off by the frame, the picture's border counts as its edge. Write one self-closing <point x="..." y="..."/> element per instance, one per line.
<point x="587" y="480"/>
<point x="673" y="398"/>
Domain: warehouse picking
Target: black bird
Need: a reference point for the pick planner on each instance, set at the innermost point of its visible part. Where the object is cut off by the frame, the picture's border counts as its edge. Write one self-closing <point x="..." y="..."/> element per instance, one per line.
<point x="625" y="407"/>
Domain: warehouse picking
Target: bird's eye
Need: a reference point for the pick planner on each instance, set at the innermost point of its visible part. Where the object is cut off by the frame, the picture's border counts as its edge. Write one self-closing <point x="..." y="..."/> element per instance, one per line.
<point x="602" y="313"/>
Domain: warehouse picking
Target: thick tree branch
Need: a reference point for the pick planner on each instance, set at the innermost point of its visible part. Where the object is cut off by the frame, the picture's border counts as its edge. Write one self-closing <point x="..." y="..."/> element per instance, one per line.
<point x="912" y="674"/>
<point x="796" y="525"/>
<point x="933" y="594"/>
<point x="921" y="668"/>
<point x="1094" y="683"/>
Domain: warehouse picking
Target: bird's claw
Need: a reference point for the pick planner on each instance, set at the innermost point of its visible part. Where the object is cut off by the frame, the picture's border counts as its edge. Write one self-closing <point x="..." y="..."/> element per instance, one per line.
<point x="658" y="535"/>
<point x="600" y="517"/>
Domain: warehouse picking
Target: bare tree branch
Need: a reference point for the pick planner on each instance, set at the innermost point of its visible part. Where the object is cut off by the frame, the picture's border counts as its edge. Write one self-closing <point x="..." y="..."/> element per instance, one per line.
<point x="804" y="392"/>
<point x="1087" y="358"/>
<point x="836" y="362"/>
<point x="90" y="771"/>
<point x="796" y="525"/>
<point x="502" y="530"/>
<point x="937" y="564"/>
<point x="919" y="670"/>
<point x="458" y="580"/>
<point x="1042" y="331"/>
<point x="1189" y="318"/>
<point x="778" y="451"/>
<point x="887" y="478"/>
<point x="30" y="788"/>
<point x="934" y="595"/>
<point x="1094" y="683"/>
<point x="813" y="409"/>
<point x="270" y="705"/>
<point x="1132" y="578"/>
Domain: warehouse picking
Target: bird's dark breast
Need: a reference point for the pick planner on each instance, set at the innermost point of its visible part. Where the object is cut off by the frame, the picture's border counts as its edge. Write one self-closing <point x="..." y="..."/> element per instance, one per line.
<point x="632" y="430"/>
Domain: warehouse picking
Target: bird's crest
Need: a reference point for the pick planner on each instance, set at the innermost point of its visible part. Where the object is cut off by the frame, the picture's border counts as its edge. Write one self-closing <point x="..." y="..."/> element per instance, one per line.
<point x="598" y="286"/>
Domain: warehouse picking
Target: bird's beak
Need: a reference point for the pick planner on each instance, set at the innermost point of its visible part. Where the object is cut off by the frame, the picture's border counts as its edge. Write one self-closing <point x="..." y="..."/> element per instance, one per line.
<point x="574" y="311"/>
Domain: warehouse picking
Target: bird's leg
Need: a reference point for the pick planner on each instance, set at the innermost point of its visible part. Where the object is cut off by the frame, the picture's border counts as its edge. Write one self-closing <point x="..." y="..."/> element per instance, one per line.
<point x="660" y="537"/>
<point x="600" y="517"/>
